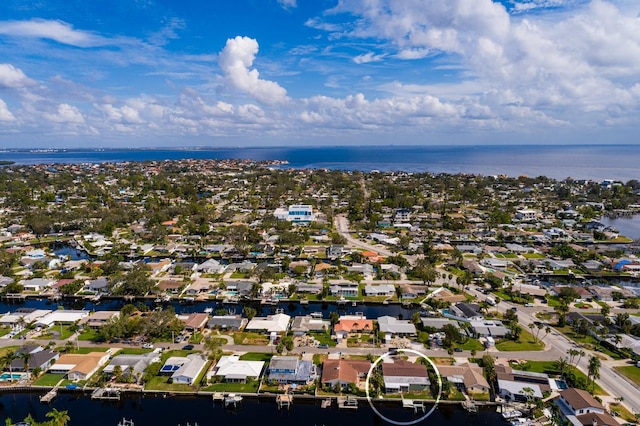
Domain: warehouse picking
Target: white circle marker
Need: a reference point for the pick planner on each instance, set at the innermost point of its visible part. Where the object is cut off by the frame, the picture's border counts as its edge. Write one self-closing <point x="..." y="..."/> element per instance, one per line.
<point x="395" y="422"/>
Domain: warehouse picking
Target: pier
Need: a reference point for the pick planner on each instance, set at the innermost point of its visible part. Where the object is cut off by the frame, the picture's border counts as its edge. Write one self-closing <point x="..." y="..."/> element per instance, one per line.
<point x="218" y="396"/>
<point x="284" y="400"/>
<point x="348" y="403"/>
<point x="49" y="396"/>
<point x="470" y="406"/>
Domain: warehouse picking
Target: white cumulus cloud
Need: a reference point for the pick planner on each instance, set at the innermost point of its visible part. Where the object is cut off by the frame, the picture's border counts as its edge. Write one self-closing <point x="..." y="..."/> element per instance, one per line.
<point x="235" y="61"/>
<point x="59" y="31"/>
<point x="5" y="114"/>
<point x="12" y="77"/>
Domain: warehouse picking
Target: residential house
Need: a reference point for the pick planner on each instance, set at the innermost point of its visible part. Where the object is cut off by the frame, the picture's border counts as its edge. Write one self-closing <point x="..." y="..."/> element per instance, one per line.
<point x="61" y="316"/>
<point x="39" y="357"/>
<point x="23" y="316"/>
<point x="291" y="370"/>
<point x="211" y="266"/>
<point x="304" y="324"/>
<point x="342" y="373"/>
<point x="309" y="288"/>
<point x="582" y="409"/>
<point x="394" y="327"/>
<point x="132" y="365"/>
<point x="234" y="370"/>
<point x="489" y="328"/>
<point x="404" y="376"/>
<point x="466" y="377"/>
<point x="171" y="286"/>
<point x="467" y="311"/>
<point x="80" y="366"/>
<point x="344" y="289"/>
<point x="349" y="324"/>
<point x="335" y="251"/>
<point x="99" y="318"/>
<point x="37" y="284"/>
<point x="227" y="322"/>
<point x="380" y="290"/>
<point x="278" y="323"/>
<point x="191" y="367"/>
<point x="196" y="321"/>
<point x="99" y="286"/>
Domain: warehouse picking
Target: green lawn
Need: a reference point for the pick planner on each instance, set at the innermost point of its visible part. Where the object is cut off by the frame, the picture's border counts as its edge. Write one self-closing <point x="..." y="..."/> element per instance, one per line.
<point x="88" y="349"/>
<point x="88" y="334"/>
<point x="532" y="256"/>
<point x="324" y="338"/>
<point x="6" y="349"/>
<point x="250" y="387"/>
<point x="256" y="356"/>
<point x="589" y="341"/>
<point x="631" y="372"/>
<point x="549" y="367"/>
<point x="470" y="345"/>
<point x="134" y="351"/>
<point x="248" y="338"/>
<point x="4" y="330"/>
<point x="526" y="343"/>
<point x="49" y="379"/>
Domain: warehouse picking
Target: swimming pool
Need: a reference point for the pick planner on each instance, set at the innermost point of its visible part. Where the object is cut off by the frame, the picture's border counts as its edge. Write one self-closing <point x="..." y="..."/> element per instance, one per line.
<point x="15" y="376"/>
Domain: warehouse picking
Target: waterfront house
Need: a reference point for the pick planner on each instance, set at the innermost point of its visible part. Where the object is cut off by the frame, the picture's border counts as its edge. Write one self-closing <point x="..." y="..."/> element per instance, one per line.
<point x="579" y="408"/>
<point x="23" y="316"/>
<point x="348" y="324"/>
<point x="291" y="370"/>
<point x="132" y="365"/>
<point x="465" y="377"/>
<point x="189" y="370"/>
<point x="380" y="290"/>
<point x="170" y="286"/>
<point x="39" y="357"/>
<point x="100" y="285"/>
<point x="278" y="323"/>
<point x="394" y="327"/>
<point x="61" y="316"/>
<point x="37" y="284"/>
<point x="227" y="322"/>
<point x="99" y="318"/>
<point x="195" y="321"/>
<point x="211" y="266"/>
<point x="404" y="376"/>
<point x="343" y="372"/>
<point x="304" y="324"/>
<point x="234" y="370"/>
<point x="80" y="366"/>
<point x="344" y="289"/>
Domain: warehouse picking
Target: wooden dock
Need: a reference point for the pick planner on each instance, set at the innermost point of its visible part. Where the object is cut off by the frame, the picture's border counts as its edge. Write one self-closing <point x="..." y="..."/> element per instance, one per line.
<point x="470" y="406"/>
<point x="218" y="396"/>
<point x="49" y="396"/>
<point x="284" y="400"/>
<point x="348" y="402"/>
<point x="326" y="403"/>
<point x="417" y="406"/>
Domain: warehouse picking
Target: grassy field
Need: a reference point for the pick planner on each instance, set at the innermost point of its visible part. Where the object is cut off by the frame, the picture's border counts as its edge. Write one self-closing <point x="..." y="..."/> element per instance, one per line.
<point x="256" y="356"/>
<point x="49" y="379"/>
<point x="550" y="368"/>
<point x="526" y="343"/>
<point x="88" y="334"/>
<point x="248" y="338"/>
<point x="470" y="345"/>
<point x="589" y="341"/>
<point x="250" y="387"/>
<point x="4" y="330"/>
<point x="631" y="372"/>
<point x="324" y="338"/>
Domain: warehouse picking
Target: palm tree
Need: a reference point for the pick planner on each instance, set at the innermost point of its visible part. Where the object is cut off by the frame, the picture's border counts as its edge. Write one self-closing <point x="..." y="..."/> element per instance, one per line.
<point x="562" y="364"/>
<point x="7" y="359"/>
<point x="58" y="418"/>
<point x="594" y="371"/>
<point x="580" y="354"/>
<point x="25" y="357"/>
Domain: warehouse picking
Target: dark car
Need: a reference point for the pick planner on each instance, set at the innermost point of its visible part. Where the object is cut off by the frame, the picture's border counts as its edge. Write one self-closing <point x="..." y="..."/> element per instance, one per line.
<point x="323" y="346"/>
<point x="457" y="349"/>
<point x="188" y="347"/>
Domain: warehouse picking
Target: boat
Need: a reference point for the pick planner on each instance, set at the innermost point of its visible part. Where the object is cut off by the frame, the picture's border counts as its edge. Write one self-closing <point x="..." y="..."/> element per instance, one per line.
<point x="125" y="422"/>
<point x="521" y="421"/>
<point x="208" y="310"/>
<point x="316" y="314"/>
<point x="511" y="414"/>
<point x="232" y="399"/>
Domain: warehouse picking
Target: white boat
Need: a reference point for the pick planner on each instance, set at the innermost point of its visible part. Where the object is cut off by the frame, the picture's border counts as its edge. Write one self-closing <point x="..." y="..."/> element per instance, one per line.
<point x="125" y="422"/>
<point x="316" y="314"/>
<point x="521" y="421"/>
<point x="232" y="399"/>
<point x="208" y="310"/>
<point x="511" y="414"/>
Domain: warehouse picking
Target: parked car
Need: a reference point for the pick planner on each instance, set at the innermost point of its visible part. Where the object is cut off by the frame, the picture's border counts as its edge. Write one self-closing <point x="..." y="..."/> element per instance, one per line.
<point x="323" y="346"/>
<point x="148" y="346"/>
<point x="188" y="347"/>
<point x="457" y="349"/>
<point x="178" y="339"/>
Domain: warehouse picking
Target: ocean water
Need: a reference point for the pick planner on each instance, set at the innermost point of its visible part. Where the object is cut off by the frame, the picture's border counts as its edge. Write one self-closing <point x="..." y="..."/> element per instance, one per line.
<point x="181" y="410"/>
<point x="596" y="162"/>
<point x="628" y="226"/>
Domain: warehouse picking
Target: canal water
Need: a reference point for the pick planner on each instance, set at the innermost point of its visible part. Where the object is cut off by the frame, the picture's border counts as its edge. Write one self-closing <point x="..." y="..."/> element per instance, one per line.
<point x="177" y="410"/>
<point x="293" y="309"/>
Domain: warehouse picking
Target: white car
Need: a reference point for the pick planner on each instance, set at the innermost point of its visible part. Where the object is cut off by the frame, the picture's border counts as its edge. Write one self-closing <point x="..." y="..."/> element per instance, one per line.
<point x="148" y="346"/>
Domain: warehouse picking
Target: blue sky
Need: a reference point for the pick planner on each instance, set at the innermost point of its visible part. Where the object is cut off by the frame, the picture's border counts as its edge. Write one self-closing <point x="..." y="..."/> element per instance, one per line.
<point x="131" y="73"/>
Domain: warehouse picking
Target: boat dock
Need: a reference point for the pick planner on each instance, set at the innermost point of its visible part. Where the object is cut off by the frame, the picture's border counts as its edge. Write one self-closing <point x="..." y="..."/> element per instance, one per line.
<point x="218" y="396"/>
<point x="470" y="406"/>
<point x="232" y="400"/>
<point x="347" y="402"/>
<point x="284" y="400"/>
<point x="326" y="403"/>
<point x="418" y="406"/>
<point x="49" y="396"/>
<point x="106" y="394"/>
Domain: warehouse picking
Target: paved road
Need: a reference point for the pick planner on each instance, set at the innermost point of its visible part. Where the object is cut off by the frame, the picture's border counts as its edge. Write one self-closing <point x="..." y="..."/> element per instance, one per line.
<point x="342" y="226"/>
<point x="612" y="382"/>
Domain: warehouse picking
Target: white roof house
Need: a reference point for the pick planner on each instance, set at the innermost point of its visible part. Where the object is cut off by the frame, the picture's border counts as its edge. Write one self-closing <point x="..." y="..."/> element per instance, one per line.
<point x="391" y="325"/>
<point x="61" y="316"/>
<point x="232" y="368"/>
<point x="515" y="390"/>
<point x="272" y="323"/>
<point x="190" y="370"/>
<point x="29" y="315"/>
